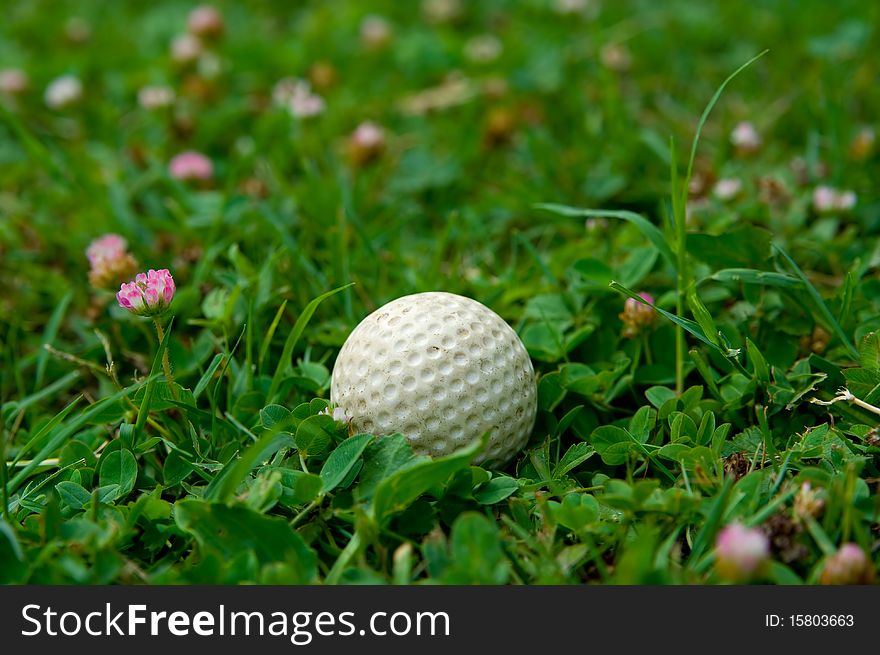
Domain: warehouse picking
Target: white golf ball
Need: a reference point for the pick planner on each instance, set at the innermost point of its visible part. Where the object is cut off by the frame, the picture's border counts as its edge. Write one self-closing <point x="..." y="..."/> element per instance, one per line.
<point x="442" y="370"/>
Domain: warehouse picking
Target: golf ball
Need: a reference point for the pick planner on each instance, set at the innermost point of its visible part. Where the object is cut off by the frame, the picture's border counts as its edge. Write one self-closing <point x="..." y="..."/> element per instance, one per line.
<point x="442" y="370"/>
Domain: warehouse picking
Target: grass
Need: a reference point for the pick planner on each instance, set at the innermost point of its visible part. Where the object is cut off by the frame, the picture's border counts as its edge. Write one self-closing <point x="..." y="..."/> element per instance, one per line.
<point x="545" y="183"/>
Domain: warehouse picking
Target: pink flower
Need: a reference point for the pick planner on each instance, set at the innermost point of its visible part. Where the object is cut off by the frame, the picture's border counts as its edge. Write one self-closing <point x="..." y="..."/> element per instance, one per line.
<point x="305" y="104"/>
<point x="186" y="48"/>
<point x="206" y="21"/>
<point x="745" y="138"/>
<point x="296" y="94"/>
<point x="828" y="199"/>
<point x="108" y="246"/>
<point x="191" y="165"/>
<point x="741" y="552"/>
<point x="637" y="316"/>
<point x="13" y="81"/>
<point x="376" y="32"/>
<point x="369" y="136"/>
<point x="109" y="261"/>
<point x="149" y="295"/>
<point x="849" y="565"/>
<point x="824" y="198"/>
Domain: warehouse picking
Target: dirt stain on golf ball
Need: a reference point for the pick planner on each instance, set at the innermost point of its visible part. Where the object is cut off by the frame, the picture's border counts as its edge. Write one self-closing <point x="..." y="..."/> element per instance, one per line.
<point x="441" y="369"/>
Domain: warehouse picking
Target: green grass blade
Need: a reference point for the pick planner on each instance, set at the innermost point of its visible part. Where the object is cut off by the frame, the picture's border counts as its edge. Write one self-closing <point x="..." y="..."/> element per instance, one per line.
<point x="16" y="503"/>
<point x="59" y="385"/>
<point x="267" y="340"/>
<point x="536" y="256"/>
<point x="215" y="397"/>
<point x="710" y="527"/>
<point x="208" y="374"/>
<point x="234" y="473"/>
<point x="708" y="110"/>
<point x="650" y="231"/>
<point x="36" y="149"/>
<point x="752" y="276"/>
<point x="292" y="339"/>
<point x="66" y="431"/>
<point x="48" y="427"/>
<point x="821" y="307"/>
<point x="690" y="326"/>
<point x="702" y="315"/>
<point x="49" y="335"/>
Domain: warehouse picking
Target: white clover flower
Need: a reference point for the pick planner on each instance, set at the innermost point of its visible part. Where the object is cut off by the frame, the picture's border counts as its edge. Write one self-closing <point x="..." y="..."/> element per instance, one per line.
<point x="828" y="199"/>
<point x="483" y="49"/>
<point x="745" y="137"/>
<point x="156" y="97"/>
<point x="727" y="188"/>
<point x="63" y="92"/>
<point x="186" y="49"/>
<point x="375" y="32"/>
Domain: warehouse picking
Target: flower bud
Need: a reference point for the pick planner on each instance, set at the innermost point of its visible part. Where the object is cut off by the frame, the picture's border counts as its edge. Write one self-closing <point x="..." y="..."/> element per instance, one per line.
<point x="189" y="166"/>
<point x="741" y="553"/>
<point x="441" y="11"/>
<point x="13" y="81"/>
<point x="745" y="138"/>
<point x="615" y="57"/>
<point x="637" y="316"/>
<point x="110" y="262"/>
<point x="186" y="49"/>
<point x="205" y="21"/>
<point x="808" y="502"/>
<point x="63" y="92"/>
<point x="500" y="128"/>
<point x="152" y="98"/>
<point x="862" y="145"/>
<point x="366" y="143"/>
<point x="376" y="32"/>
<point x="849" y="565"/>
<point x="149" y="295"/>
<point x="286" y="88"/>
<point x="727" y="188"/>
<point x="827" y="199"/>
<point x="302" y="102"/>
<point x="322" y="75"/>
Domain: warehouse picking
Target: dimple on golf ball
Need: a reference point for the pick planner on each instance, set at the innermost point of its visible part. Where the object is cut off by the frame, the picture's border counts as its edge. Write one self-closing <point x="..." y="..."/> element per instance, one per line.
<point x="442" y="370"/>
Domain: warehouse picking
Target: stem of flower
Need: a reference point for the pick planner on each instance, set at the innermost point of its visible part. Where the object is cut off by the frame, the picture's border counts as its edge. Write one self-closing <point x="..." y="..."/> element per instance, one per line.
<point x="166" y="364"/>
<point x="646" y="348"/>
<point x="846" y="394"/>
